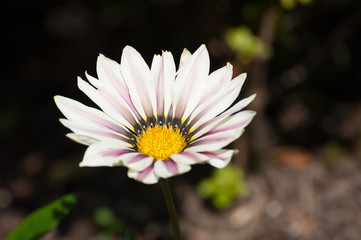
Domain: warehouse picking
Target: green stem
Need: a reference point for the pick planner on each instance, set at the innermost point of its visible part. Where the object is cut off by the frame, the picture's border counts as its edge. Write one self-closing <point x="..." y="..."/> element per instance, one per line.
<point x="171" y="209"/>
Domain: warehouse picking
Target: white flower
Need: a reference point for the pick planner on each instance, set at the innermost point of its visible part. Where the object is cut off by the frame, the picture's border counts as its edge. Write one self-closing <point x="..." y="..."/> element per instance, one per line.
<point x="157" y="122"/>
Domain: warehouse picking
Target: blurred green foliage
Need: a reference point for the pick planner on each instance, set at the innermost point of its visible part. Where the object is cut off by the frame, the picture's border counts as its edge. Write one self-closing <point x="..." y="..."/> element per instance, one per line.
<point x="333" y="151"/>
<point x="111" y="225"/>
<point x="44" y="219"/>
<point x="244" y="43"/>
<point x="224" y="186"/>
<point x="291" y="4"/>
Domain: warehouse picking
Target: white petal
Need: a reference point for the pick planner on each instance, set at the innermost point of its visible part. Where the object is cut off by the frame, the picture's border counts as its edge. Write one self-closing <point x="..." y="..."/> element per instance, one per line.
<point x="94" y="81"/>
<point x="157" y="75"/>
<point x="190" y="83"/>
<point x="189" y="158"/>
<point x="217" y="80"/>
<point x="220" y="158"/>
<point x="103" y="154"/>
<point x="238" y="106"/>
<point x="207" y="126"/>
<point x="112" y="105"/>
<point x="146" y="176"/>
<point x="232" y="123"/>
<point x="215" y="141"/>
<point x="137" y="161"/>
<point x="78" y="112"/>
<point x="109" y="73"/>
<point x="113" y="83"/>
<point x="223" y="133"/>
<point x="185" y="56"/>
<point x="163" y="72"/>
<point x="90" y="122"/>
<point x="168" y="168"/>
<point x="138" y="79"/>
<point x="94" y="132"/>
<point x="86" y="140"/>
<point x="110" y="89"/>
<point x="219" y="102"/>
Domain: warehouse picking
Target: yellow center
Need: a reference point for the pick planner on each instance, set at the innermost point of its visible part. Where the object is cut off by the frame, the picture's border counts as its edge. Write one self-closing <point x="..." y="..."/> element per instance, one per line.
<point x="160" y="142"/>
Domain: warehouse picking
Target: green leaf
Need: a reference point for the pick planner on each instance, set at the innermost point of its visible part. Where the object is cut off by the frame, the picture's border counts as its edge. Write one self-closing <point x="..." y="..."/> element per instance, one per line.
<point x="224" y="186"/>
<point x="288" y="4"/>
<point x="104" y="217"/>
<point x="244" y="43"/>
<point x="44" y="219"/>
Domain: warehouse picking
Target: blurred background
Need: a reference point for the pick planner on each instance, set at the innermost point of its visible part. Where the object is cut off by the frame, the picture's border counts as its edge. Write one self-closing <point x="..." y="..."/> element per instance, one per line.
<point x="297" y="175"/>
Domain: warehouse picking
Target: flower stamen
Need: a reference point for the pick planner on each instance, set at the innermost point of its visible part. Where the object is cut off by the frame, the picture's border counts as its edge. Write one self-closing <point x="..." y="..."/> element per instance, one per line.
<point x="161" y="142"/>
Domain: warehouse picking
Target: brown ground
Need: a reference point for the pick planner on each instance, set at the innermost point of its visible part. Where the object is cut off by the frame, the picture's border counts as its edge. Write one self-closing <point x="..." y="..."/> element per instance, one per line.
<point x="286" y="202"/>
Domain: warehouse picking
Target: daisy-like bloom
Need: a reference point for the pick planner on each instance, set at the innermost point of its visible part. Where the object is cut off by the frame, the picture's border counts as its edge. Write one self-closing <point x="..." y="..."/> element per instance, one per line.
<point x="157" y="121"/>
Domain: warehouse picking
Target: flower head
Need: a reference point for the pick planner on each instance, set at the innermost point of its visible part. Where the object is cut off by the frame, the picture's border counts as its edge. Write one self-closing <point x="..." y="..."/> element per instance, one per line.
<point x="157" y="121"/>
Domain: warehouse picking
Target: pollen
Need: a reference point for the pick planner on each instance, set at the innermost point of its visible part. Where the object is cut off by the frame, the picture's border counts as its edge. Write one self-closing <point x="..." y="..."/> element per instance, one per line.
<point x="161" y="142"/>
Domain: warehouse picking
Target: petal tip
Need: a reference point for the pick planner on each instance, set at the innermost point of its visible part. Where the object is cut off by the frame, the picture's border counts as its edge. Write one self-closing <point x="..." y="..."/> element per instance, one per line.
<point x="203" y="48"/>
<point x="229" y="65"/>
<point x="59" y="100"/>
<point x="128" y="49"/>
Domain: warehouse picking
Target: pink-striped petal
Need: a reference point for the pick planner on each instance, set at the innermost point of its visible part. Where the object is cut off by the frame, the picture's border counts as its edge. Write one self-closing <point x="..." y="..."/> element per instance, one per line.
<point x="138" y="79"/>
<point x="109" y="74"/>
<point x="82" y="139"/>
<point x="220" y="158"/>
<point x="215" y="141"/>
<point x="189" y="158"/>
<point x="189" y="85"/>
<point x="94" y="132"/>
<point x="185" y="57"/>
<point x="111" y="82"/>
<point x="163" y="72"/>
<point x="209" y="125"/>
<point x="217" y="80"/>
<point x="111" y="104"/>
<point x="106" y="89"/>
<point x="78" y="112"/>
<point x="168" y="168"/>
<point x="237" y="107"/>
<point x="234" y="122"/>
<point x="103" y="154"/>
<point x="146" y="176"/>
<point x="219" y="102"/>
<point x="223" y="133"/>
<point x="137" y="161"/>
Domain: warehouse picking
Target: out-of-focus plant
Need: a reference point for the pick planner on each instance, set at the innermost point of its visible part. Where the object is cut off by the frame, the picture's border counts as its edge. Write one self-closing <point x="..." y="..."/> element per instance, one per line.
<point x="44" y="219"/>
<point x="333" y="151"/>
<point x="245" y="44"/>
<point x="291" y="4"/>
<point x="224" y="186"/>
<point x="111" y="225"/>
